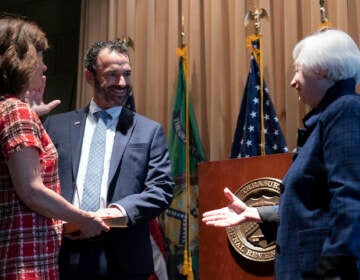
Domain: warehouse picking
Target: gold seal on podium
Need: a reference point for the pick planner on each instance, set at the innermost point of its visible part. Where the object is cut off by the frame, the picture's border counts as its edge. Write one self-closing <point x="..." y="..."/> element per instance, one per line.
<point x="249" y="239"/>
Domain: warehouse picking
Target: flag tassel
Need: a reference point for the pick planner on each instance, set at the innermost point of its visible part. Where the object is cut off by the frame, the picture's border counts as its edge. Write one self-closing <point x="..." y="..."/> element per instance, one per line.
<point x="186" y="269"/>
<point x="190" y="275"/>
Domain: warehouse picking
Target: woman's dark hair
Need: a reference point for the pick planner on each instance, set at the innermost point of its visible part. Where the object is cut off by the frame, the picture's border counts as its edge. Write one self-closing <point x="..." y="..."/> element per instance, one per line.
<point x="20" y="40"/>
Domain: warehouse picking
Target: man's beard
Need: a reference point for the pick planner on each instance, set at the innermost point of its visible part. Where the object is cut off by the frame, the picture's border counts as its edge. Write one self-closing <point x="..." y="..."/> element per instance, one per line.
<point x="109" y="98"/>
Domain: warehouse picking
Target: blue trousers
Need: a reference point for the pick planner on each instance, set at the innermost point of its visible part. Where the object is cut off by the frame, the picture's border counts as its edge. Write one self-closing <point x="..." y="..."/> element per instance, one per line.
<point x="91" y="259"/>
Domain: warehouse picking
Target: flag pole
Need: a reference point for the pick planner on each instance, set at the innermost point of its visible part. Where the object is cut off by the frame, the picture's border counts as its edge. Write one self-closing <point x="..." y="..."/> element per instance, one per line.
<point x="186" y="269"/>
<point x="258" y="34"/>
<point x="256" y="16"/>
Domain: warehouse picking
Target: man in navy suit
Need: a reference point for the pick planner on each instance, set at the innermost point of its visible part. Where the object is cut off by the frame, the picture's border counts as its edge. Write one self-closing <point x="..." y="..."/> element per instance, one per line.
<point x="136" y="180"/>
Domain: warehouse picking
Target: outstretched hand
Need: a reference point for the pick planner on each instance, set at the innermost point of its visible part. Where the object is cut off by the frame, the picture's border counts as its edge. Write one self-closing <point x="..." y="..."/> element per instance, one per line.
<point x="235" y="213"/>
<point x="34" y="97"/>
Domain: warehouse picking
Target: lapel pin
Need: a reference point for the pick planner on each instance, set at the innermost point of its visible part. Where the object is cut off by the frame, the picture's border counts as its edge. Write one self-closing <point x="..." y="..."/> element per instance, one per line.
<point x="77" y="123"/>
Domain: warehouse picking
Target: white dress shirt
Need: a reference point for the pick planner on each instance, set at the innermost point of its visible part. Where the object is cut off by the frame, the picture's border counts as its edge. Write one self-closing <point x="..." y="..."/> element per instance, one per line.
<point x="110" y="134"/>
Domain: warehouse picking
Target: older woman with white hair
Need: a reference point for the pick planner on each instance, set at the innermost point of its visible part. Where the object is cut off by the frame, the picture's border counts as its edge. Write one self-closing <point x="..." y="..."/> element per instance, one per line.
<point x="318" y="236"/>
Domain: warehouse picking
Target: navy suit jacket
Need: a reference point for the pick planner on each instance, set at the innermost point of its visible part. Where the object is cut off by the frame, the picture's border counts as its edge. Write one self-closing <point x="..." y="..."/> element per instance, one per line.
<point x="320" y="204"/>
<point x="139" y="177"/>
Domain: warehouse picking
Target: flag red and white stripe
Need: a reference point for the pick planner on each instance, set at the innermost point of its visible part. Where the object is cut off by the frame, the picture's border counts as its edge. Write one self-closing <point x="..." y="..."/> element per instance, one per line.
<point x="158" y="247"/>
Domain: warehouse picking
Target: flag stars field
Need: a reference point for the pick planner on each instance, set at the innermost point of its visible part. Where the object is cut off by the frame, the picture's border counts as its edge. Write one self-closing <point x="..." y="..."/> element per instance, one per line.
<point x="257" y="121"/>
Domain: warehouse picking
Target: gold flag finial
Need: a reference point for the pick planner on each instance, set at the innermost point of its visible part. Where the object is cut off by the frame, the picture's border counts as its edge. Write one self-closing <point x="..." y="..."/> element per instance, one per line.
<point x="127" y="42"/>
<point x="256" y="15"/>
<point x="324" y="22"/>
<point x="182" y="32"/>
<point x="323" y="17"/>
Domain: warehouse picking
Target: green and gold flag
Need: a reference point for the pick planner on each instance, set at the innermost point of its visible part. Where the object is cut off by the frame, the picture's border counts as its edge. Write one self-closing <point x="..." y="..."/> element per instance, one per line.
<point x="186" y="151"/>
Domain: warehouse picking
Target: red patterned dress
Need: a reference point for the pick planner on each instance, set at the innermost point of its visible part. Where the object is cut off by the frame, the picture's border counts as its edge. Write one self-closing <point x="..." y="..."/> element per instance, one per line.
<point x="29" y="242"/>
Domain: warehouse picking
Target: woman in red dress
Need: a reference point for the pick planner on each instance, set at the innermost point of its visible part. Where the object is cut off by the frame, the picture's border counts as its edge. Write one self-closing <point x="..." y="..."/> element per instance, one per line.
<point x="31" y="208"/>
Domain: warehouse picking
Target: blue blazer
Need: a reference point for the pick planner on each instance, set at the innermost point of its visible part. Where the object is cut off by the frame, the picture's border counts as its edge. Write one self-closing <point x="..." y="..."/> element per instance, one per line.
<point x="320" y="205"/>
<point x="139" y="178"/>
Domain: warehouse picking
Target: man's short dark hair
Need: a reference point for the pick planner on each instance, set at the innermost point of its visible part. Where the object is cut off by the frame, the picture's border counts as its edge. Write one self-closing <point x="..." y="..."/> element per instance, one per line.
<point x="117" y="45"/>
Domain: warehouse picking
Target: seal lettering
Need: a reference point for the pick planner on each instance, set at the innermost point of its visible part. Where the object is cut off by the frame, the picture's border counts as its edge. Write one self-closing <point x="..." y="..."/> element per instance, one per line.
<point x="248" y="239"/>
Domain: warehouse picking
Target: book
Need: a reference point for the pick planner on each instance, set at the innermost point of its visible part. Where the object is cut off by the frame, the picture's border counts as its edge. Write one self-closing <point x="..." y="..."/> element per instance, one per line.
<point x="72" y="230"/>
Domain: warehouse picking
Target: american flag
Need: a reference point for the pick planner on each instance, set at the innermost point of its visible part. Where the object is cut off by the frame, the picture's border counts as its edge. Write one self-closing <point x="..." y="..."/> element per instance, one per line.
<point x="247" y="139"/>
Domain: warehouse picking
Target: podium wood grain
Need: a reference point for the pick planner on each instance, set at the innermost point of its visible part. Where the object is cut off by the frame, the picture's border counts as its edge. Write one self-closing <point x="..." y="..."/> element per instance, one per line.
<point x="217" y="258"/>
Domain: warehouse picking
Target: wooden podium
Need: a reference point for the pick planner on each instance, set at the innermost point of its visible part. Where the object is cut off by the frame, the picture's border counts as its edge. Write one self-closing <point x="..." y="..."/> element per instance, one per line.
<point x="217" y="258"/>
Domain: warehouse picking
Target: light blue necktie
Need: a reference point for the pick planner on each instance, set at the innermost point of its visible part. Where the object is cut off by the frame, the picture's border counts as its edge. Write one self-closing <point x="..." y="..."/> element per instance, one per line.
<point x="92" y="183"/>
